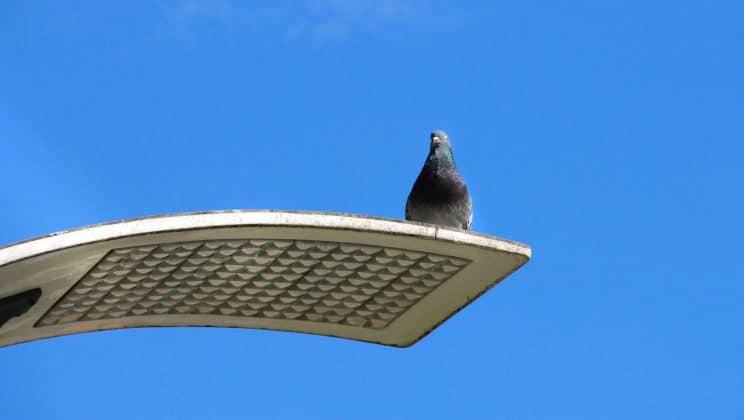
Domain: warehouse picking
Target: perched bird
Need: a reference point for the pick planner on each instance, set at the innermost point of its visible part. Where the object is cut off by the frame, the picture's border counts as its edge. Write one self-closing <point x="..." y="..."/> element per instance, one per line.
<point x="439" y="195"/>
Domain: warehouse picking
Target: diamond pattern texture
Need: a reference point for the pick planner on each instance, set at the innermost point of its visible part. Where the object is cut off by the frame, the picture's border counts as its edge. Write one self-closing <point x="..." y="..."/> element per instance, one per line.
<point x="329" y="282"/>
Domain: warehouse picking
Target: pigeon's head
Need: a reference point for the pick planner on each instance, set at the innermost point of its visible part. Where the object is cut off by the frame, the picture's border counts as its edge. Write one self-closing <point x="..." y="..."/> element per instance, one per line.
<point x="439" y="138"/>
<point x="440" y="151"/>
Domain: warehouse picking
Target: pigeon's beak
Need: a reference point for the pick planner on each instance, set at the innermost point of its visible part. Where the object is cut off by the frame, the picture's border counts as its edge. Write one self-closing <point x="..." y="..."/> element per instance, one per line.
<point x="436" y="140"/>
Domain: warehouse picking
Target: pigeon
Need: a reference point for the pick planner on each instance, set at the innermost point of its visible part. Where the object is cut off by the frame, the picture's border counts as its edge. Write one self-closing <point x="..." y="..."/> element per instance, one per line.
<point x="439" y="195"/>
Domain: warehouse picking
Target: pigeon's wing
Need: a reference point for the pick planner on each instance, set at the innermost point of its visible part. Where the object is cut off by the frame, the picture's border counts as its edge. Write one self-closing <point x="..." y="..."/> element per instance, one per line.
<point x="465" y="213"/>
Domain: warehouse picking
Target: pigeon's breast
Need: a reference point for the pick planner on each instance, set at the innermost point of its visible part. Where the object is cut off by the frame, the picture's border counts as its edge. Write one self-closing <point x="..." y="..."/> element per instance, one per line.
<point x="440" y="188"/>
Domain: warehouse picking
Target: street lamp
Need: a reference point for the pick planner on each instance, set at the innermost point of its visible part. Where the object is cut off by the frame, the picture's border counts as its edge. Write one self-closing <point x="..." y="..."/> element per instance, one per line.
<point x="371" y="279"/>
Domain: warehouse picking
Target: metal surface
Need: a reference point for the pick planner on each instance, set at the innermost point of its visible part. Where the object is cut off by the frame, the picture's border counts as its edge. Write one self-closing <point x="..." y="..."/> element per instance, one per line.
<point x="369" y="279"/>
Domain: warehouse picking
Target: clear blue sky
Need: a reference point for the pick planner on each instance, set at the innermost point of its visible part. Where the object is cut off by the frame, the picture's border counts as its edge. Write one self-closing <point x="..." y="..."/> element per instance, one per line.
<point x="607" y="135"/>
